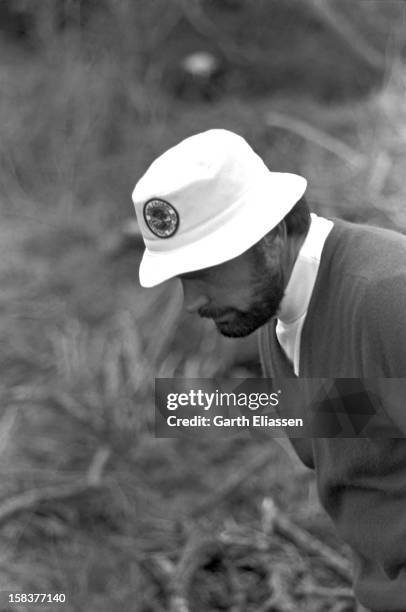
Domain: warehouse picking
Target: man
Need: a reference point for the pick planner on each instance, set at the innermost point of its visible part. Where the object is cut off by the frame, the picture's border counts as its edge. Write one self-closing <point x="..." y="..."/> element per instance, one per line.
<point x="328" y="299"/>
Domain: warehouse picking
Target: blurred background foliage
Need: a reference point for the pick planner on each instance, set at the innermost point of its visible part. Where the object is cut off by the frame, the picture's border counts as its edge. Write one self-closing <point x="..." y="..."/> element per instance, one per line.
<point x="91" y="92"/>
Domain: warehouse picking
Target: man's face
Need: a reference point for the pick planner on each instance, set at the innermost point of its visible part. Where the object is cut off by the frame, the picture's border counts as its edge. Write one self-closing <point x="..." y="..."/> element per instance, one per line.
<point x="240" y="295"/>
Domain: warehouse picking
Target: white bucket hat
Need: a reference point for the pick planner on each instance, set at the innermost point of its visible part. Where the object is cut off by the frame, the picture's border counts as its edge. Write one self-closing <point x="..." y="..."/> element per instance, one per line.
<point x="205" y="201"/>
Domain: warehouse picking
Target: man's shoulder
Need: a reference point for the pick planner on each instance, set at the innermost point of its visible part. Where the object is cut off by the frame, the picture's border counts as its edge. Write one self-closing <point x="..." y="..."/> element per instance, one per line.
<point x="367" y="252"/>
<point x="379" y="260"/>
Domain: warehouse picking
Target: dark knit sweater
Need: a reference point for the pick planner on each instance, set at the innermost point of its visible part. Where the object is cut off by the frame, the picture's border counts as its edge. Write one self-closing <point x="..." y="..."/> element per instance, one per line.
<point x="356" y="328"/>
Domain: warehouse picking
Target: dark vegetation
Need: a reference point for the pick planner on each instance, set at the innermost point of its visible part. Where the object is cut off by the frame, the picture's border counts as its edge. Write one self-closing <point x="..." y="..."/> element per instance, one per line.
<point x="91" y="503"/>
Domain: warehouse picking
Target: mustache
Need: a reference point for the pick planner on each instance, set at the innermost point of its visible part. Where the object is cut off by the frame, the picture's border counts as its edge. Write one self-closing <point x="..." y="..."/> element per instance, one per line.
<point x="208" y="312"/>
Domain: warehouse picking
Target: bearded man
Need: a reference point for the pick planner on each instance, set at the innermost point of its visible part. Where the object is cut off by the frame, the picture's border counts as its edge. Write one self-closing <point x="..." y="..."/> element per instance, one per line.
<point x="327" y="299"/>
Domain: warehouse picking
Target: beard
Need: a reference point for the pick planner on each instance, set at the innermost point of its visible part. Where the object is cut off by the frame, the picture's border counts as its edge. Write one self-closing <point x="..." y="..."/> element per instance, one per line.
<point x="268" y="291"/>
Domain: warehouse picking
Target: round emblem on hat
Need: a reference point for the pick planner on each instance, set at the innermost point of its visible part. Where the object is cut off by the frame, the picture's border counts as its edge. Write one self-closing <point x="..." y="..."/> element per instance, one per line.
<point x="161" y="217"/>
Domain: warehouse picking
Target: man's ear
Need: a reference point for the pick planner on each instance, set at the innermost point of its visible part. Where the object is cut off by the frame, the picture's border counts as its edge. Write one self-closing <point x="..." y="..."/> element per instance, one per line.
<point x="274" y="242"/>
<point x="284" y="230"/>
<point x="279" y="233"/>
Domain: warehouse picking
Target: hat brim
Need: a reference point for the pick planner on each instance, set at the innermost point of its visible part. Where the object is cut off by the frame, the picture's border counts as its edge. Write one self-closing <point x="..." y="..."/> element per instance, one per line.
<point x="264" y="207"/>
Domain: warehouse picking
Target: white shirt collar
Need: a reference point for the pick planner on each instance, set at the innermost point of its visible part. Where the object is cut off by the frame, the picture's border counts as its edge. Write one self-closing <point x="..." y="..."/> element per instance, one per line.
<point x="303" y="277"/>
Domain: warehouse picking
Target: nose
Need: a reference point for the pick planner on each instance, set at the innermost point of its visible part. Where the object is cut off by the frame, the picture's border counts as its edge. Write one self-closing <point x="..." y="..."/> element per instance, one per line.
<point x="194" y="296"/>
